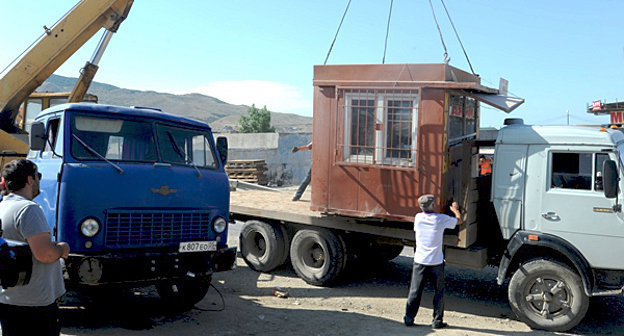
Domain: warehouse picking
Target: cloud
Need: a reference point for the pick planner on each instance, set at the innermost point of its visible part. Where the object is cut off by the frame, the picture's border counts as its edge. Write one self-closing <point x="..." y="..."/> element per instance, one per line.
<point x="276" y="96"/>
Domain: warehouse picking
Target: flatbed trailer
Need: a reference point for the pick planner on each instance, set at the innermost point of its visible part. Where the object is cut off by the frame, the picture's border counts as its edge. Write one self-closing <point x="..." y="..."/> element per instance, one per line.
<point x="275" y="208"/>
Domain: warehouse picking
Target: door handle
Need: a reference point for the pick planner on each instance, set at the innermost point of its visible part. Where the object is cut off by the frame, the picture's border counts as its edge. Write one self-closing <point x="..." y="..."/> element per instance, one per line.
<point x="551" y="215"/>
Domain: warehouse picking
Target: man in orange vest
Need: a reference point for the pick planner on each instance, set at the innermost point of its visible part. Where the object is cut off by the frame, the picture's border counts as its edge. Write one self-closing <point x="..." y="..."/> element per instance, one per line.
<point x="485" y="166"/>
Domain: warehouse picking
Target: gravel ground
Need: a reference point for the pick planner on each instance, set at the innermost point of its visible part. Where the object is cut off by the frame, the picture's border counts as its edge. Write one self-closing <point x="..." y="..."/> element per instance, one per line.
<point x="367" y="303"/>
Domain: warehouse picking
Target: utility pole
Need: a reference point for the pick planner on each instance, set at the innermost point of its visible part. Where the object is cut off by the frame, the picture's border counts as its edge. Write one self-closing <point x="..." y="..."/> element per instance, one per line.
<point x="568" y="114"/>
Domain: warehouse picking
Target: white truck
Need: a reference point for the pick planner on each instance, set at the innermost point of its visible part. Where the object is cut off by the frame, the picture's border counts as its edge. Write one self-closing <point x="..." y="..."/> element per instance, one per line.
<point x="549" y="217"/>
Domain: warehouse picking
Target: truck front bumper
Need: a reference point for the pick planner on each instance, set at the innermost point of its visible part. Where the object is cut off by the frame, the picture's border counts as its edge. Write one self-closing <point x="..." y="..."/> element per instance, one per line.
<point x="145" y="267"/>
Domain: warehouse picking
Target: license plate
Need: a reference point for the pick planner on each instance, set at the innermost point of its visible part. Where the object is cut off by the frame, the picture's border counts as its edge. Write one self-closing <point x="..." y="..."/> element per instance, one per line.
<point x="198" y="246"/>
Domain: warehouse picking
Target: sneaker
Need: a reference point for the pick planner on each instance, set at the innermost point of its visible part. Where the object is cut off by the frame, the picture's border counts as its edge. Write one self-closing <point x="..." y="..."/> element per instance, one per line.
<point x="439" y="325"/>
<point x="408" y="321"/>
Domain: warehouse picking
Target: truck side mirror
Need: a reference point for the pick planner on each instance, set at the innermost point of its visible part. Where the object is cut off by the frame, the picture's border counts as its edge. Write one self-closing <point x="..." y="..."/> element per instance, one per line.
<point x="37" y="136"/>
<point x="610" y="179"/>
<point x="222" y="148"/>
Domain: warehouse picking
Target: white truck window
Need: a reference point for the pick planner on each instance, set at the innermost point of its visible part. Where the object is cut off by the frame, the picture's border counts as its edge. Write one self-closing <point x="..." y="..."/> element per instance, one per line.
<point x="572" y="171"/>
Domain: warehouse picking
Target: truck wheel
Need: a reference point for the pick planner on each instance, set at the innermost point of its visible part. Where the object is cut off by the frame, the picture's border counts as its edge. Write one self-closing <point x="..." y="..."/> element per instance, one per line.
<point x="182" y="295"/>
<point x="318" y="256"/>
<point x="388" y="252"/>
<point x="263" y="246"/>
<point x="547" y="295"/>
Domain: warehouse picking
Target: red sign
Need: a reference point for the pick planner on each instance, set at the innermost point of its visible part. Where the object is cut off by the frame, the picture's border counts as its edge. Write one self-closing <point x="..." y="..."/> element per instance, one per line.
<point x="469" y="113"/>
<point x="617" y="117"/>
<point x="456" y="111"/>
<point x="597" y="105"/>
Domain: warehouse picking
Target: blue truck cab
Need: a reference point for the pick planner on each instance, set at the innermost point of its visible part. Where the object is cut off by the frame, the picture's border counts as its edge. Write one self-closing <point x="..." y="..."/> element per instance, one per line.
<point x="141" y="197"/>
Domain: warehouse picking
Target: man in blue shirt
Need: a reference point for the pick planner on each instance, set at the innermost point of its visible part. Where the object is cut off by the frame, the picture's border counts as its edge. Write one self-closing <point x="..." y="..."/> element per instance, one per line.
<point x="429" y="259"/>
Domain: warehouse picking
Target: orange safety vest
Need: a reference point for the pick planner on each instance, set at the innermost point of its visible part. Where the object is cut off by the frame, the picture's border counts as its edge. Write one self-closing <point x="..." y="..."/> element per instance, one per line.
<point x="486" y="168"/>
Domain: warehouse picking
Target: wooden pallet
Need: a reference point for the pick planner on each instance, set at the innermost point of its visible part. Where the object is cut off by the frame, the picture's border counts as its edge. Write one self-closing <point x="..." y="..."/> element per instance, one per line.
<point x="253" y="171"/>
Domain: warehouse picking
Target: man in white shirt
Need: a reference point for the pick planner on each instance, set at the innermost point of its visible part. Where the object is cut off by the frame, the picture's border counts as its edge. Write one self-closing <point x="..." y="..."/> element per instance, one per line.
<point x="429" y="258"/>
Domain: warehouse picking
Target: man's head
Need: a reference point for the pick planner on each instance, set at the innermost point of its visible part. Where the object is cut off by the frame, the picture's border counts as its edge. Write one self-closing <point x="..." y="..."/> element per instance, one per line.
<point x="481" y="158"/>
<point x="426" y="203"/>
<point x="21" y="176"/>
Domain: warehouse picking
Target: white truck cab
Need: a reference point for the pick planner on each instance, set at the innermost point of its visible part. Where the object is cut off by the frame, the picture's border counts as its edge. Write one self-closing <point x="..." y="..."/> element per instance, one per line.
<point x="557" y="193"/>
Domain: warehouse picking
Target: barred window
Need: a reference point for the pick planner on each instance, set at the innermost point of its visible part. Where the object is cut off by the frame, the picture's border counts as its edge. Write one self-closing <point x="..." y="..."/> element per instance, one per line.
<point x="462" y="118"/>
<point x="379" y="126"/>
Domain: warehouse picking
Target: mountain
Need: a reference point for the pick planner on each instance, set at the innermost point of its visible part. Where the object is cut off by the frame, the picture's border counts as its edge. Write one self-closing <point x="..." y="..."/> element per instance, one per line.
<point x="215" y="112"/>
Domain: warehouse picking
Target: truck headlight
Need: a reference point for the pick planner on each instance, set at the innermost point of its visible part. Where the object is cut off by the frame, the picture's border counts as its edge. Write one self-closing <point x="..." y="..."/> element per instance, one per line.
<point x="89" y="227"/>
<point x="219" y="225"/>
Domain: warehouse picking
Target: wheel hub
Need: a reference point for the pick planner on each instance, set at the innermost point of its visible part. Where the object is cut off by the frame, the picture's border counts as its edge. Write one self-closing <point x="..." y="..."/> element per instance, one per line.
<point x="549" y="297"/>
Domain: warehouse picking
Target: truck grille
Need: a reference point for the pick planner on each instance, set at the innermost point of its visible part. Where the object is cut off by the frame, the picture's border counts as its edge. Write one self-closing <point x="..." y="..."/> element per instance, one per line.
<point x="131" y="228"/>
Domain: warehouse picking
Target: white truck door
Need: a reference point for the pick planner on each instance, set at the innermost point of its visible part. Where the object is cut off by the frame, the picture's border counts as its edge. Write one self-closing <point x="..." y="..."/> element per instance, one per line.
<point x="508" y="178"/>
<point x="574" y="207"/>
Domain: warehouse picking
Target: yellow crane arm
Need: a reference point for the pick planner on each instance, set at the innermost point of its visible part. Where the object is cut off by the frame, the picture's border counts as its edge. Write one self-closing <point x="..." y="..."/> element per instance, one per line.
<point x="54" y="48"/>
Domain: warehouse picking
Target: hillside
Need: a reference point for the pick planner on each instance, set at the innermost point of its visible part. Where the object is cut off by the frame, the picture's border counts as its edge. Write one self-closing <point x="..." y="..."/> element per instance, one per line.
<point x="217" y="113"/>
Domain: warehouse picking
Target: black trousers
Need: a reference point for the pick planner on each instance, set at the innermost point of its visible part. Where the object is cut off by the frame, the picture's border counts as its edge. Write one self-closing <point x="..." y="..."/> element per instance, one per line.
<point x="420" y="274"/>
<point x="23" y="321"/>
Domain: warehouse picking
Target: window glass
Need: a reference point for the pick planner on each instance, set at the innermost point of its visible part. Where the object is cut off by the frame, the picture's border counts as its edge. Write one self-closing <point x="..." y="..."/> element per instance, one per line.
<point x="380" y="126"/>
<point x="57" y="101"/>
<point x="571" y="170"/>
<point x="470" y="114"/>
<point x="114" y="139"/>
<point x="33" y="107"/>
<point x="185" y="146"/>
<point x="362" y="126"/>
<point x="463" y="114"/>
<point x="456" y="117"/>
<point x="54" y="135"/>
<point x="399" y="134"/>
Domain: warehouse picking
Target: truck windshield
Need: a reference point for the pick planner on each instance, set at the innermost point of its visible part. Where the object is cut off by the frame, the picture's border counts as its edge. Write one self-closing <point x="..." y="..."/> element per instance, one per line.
<point x="185" y="146"/>
<point x="113" y="139"/>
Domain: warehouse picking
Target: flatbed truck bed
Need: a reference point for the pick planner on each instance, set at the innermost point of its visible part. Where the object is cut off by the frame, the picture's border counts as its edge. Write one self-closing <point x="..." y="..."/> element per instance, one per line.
<point x="277" y="207"/>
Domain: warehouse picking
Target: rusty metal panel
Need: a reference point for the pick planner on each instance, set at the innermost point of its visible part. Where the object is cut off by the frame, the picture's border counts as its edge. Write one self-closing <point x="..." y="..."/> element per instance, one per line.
<point x="322" y="125"/>
<point x="377" y="148"/>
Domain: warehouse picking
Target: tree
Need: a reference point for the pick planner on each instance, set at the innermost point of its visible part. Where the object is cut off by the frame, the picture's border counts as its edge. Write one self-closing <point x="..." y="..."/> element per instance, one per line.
<point x="257" y="121"/>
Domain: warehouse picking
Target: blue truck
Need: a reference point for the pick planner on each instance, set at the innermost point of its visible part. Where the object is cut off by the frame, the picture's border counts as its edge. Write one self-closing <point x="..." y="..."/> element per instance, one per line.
<point x="141" y="197"/>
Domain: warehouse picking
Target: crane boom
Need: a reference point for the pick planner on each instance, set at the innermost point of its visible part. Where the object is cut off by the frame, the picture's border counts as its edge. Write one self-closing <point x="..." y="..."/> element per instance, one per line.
<point x="53" y="49"/>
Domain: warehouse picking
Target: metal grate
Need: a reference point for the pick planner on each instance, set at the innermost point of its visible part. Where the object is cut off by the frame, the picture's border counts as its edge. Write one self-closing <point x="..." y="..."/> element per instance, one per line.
<point x="379" y="126"/>
<point x="131" y="228"/>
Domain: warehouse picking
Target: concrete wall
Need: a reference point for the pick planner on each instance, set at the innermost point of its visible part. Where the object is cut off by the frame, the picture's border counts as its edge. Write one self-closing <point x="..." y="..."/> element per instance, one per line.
<point x="284" y="167"/>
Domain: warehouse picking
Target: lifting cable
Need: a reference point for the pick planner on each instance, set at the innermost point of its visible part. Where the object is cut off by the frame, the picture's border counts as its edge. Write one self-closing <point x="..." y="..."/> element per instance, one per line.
<point x="446" y="58"/>
<point x="457" y="35"/>
<point x="336" y="36"/>
<point x="383" y="61"/>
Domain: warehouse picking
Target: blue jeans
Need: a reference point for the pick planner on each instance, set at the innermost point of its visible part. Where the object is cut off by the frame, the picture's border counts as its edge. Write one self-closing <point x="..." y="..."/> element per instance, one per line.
<point x="420" y="274"/>
<point x="303" y="185"/>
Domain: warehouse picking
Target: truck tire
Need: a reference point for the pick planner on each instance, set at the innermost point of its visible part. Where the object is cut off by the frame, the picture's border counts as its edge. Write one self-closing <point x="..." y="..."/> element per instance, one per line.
<point x="388" y="252"/>
<point x="318" y="256"/>
<point x="547" y="295"/>
<point x="263" y="246"/>
<point x="182" y="294"/>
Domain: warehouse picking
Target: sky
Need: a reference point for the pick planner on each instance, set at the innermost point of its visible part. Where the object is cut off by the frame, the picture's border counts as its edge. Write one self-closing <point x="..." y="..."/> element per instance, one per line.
<point x="558" y="55"/>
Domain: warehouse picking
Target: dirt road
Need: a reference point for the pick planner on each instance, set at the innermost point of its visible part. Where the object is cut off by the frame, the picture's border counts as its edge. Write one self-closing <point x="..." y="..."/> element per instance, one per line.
<point x="369" y="303"/>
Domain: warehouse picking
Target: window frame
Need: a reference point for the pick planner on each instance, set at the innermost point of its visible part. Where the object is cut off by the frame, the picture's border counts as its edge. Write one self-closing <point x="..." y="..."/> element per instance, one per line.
<point x="380" y="97"/>
<point x="464" y="120"/>
<point x="57" y="142"/>
<point x="72" y="127"/>
<point x="207" y="135"/>
<point x="593" y="174"/>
